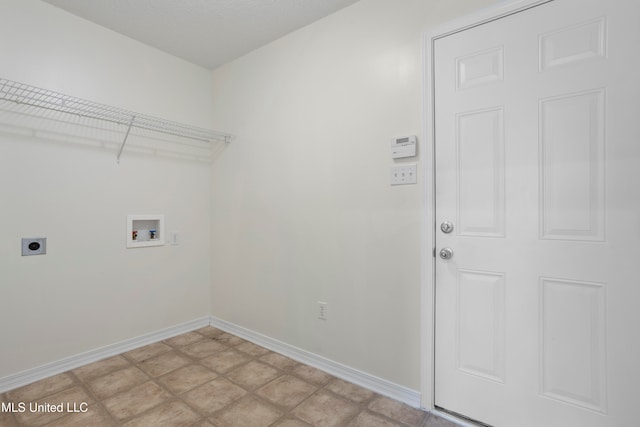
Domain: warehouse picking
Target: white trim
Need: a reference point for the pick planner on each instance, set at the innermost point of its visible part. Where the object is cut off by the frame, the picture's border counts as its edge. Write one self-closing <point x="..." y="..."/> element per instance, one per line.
<point x="31" y="375"/>
<point x="491" y="13"/>
<point x="427" y="307"/>
<point x="427" y="301"/>
<point x="347" y="373"/>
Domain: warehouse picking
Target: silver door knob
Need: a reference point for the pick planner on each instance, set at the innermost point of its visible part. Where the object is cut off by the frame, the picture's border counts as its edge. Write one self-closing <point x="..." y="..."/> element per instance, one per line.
<point x="446" y="253"/>
<point x="446" y="227"/>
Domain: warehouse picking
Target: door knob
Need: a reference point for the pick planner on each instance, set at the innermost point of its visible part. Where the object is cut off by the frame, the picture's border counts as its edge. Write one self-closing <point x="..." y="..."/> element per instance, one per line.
<point x="446" y="253"/>
<point x="446" y="227"/>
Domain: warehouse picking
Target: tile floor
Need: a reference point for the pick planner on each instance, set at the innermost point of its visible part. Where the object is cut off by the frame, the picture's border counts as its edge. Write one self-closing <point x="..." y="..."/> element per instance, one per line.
<point x="204" y="378"/>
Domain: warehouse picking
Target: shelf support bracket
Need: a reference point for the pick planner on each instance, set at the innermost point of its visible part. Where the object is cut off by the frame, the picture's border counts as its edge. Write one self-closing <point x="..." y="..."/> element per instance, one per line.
<point x="124" y="141"/>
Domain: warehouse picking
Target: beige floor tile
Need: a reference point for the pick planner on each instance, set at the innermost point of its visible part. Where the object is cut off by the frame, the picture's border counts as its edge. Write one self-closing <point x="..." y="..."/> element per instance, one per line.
<point x="136" y="401"/>
<point x="208" y="378"/>
<point x="100" y="368"/>
<point x="164" y="363"/>
<point x="224" y="361"/>
<point x="187" y="378"/>
<point x="37" y="417"/>
<point x="148" y="351"/>
<point x="397" y="411"/>
<point x="203" y="349"/>
<point x="249" y="411"/>
<point x="279" y="361"/>
<point x="252" y="349"/>
<point x="173" y="414"/>
<point x="184" y="339"/>
<point x="291" y="422"/>
<point x="214" y="395"/>
<point x="95" y="416"/>
<point x="42" y="388"/>
<point x="229" y="339"/>
<point x="6" y="417"/>
<point x="286" y="391"/>
<point x="117" y="382"/>
<point x="7" y="420"/>
<point x="210" y="331"/>
<point x="203" y="423"/>
<point x="312" y="375"/>
<point x="369" y="419"/>
<point x="54" y="406"/>
<point x="326" y="410"/>
<point x="349" y="390"/>
<point x="253" y="374"/>
<point x="435" y="421"/>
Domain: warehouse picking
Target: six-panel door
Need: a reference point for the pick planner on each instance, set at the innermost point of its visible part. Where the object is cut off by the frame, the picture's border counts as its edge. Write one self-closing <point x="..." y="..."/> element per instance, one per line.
<point x="537" y="160"/>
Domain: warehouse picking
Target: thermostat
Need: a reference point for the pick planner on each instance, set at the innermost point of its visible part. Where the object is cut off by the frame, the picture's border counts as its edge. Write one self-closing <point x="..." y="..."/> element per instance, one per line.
<point x="404" y="146"/>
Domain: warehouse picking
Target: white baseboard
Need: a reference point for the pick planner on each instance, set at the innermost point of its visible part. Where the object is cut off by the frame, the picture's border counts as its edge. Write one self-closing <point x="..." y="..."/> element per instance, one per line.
<point x="31" y="375"/>
<point x="363" y="379"/>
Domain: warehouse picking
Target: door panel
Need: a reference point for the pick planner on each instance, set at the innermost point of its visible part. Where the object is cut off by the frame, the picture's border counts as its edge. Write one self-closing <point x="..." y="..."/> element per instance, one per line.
<point x="480" y="324"/>
<point x="480" y="173"/>
<point x="572" y="166"/>
<point x="572" y="351"/>
<point x="537" y="168"/>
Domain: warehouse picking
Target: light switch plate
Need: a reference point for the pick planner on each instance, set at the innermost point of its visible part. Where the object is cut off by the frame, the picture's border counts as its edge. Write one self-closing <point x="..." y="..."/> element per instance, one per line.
<point x="404" y="174"/>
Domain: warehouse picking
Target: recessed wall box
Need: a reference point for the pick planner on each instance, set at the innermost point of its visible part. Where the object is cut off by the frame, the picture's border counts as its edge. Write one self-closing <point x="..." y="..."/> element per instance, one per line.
<point x="404" y="146"/>
<point x="34" y="246"/>
<point x="145" y="230"/>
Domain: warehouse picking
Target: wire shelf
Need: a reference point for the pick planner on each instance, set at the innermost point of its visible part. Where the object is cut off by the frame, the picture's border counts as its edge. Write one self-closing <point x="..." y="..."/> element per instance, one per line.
<point x="50" y="105"/>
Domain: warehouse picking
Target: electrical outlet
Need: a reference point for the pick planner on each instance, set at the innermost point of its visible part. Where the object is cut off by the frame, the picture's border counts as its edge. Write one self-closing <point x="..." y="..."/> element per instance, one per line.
<point x="174" y="239"/>
<point x="322" y="310"/>
<point x="34" y="246"/>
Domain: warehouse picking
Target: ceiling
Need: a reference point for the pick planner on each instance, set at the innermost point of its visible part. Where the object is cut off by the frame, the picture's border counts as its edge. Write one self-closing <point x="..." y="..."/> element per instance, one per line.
<point x="205" y="32"/>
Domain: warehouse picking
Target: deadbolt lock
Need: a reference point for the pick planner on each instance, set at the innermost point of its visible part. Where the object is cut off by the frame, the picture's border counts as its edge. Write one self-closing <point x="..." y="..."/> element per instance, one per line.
<point x="446" y="227"/>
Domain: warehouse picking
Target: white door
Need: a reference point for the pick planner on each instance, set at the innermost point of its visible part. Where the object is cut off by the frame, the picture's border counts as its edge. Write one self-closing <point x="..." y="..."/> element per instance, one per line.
<point x="537" y="148"/>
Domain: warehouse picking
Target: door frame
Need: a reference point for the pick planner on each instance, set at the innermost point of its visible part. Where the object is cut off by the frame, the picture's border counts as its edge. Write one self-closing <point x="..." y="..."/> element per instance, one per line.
<point x="427" y="301"/>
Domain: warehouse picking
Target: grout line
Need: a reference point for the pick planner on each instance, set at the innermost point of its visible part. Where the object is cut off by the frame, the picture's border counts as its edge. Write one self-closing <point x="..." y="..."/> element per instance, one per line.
<point x="194" y="361"/>
<point x="173" y="396"/>
<point x="89" y="392"/>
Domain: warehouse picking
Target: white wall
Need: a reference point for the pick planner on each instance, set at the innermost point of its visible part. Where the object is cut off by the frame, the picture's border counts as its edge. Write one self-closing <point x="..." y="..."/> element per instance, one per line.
<point x="299" y="207"/>
<point x="302" y="206"/>
<point x="89" y="290"/>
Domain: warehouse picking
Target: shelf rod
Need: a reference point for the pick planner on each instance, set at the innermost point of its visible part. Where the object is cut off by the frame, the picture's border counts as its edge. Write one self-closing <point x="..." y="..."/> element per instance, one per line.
<point x="124" y="141"/>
